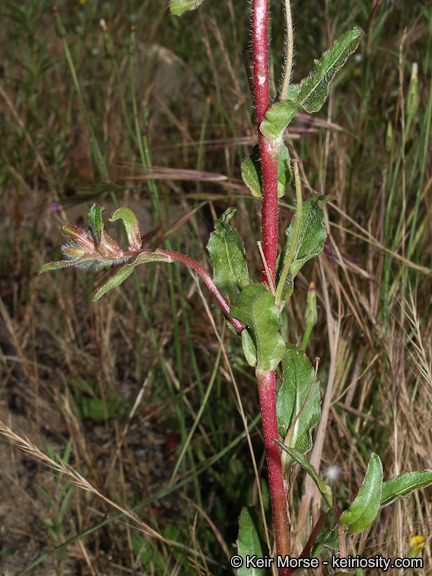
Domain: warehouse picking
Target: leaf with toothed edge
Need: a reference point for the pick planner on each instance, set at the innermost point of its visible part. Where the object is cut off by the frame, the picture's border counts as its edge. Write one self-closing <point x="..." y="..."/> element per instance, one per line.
<point x="310" y="242"/>
<point x="228" y="256"/>
<point x="298" y="401"/>
<point x="255" y="307"/>
<point x="312" y="92"/>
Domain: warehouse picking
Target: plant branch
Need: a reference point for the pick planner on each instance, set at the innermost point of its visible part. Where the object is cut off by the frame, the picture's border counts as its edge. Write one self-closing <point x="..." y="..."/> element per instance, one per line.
<point x="311" y="540"/>
<point x="207" y="279"/>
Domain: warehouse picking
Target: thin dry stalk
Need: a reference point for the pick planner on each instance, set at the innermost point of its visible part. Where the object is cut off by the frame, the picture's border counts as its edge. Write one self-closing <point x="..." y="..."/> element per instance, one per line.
<point x="24" y="444"/>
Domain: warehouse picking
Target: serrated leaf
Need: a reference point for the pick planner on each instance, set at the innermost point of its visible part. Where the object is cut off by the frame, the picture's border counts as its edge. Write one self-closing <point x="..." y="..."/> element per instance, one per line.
<point x="251" y="542"/>
<point x="366" y="505"/>
<point x="298" y="401"/>
<point x="228" y="257"/>
<point x="312" y="92"/>
<point x="252" y="172"/>
<point x="403" y="485"/>
<point x="94" y="218"/>
<point x="179" y="7"/>
<point x="132" y="227"/>
<point x="310" y="242"/>
<point x="307" y="466"/>
<point x="255" y="307"/>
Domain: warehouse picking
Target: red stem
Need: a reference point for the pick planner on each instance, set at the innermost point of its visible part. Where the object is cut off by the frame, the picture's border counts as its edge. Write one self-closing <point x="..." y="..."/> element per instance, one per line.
<point x="260" y="58"/>
<point x="267" y="396"/>
<point x="269" y="153"/>
<point x="223" y="305"/>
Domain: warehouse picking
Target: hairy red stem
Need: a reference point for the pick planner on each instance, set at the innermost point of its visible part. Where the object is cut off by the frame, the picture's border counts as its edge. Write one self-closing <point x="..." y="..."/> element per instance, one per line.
<point x="223" y="305"/>
<point x="269" y="154"/>
<point x="269" y="163"/>
<point x="260" y="58"/>
<point x="267" y="396"/>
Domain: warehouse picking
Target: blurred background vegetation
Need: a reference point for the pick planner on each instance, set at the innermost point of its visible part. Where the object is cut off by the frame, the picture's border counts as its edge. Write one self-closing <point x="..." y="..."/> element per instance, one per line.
<point x="159" y="121"/>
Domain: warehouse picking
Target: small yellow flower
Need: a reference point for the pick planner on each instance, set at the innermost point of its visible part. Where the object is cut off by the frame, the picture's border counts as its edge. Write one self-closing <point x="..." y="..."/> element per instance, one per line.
<point x="416" y="543"/>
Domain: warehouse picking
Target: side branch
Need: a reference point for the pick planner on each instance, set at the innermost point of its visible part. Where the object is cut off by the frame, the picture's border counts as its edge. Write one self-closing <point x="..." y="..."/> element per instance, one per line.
<point x="207" y="279"/>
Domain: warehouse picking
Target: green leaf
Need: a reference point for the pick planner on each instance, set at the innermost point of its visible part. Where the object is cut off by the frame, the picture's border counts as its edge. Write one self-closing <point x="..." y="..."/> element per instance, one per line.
<point x="284" y="170"/>
<point x="312" y="92"/>
<point x="402" y="485"/>
<point x="278" y="117"/>
<point x="255" y="307"/>
<point x="96" y="409"/>
<point x="310" y="242"/>
<point x="307" y="466"/>
<point x="131" y="224"/>
<point x="228" y="257"/>
<point x="252" y="173"/>
<point x="179" y="7"/>
<point x="127" y="270"/>
<point x="94" y="218"/>
<point x="326" y="539"/>
<point x="55" y="266"/>
<point x="298" y="401"/>
<point x="366" y="505"/>
<point x="118" y="278"/>
<point x="249" y="348"/>
<point x="251" y="542"/>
